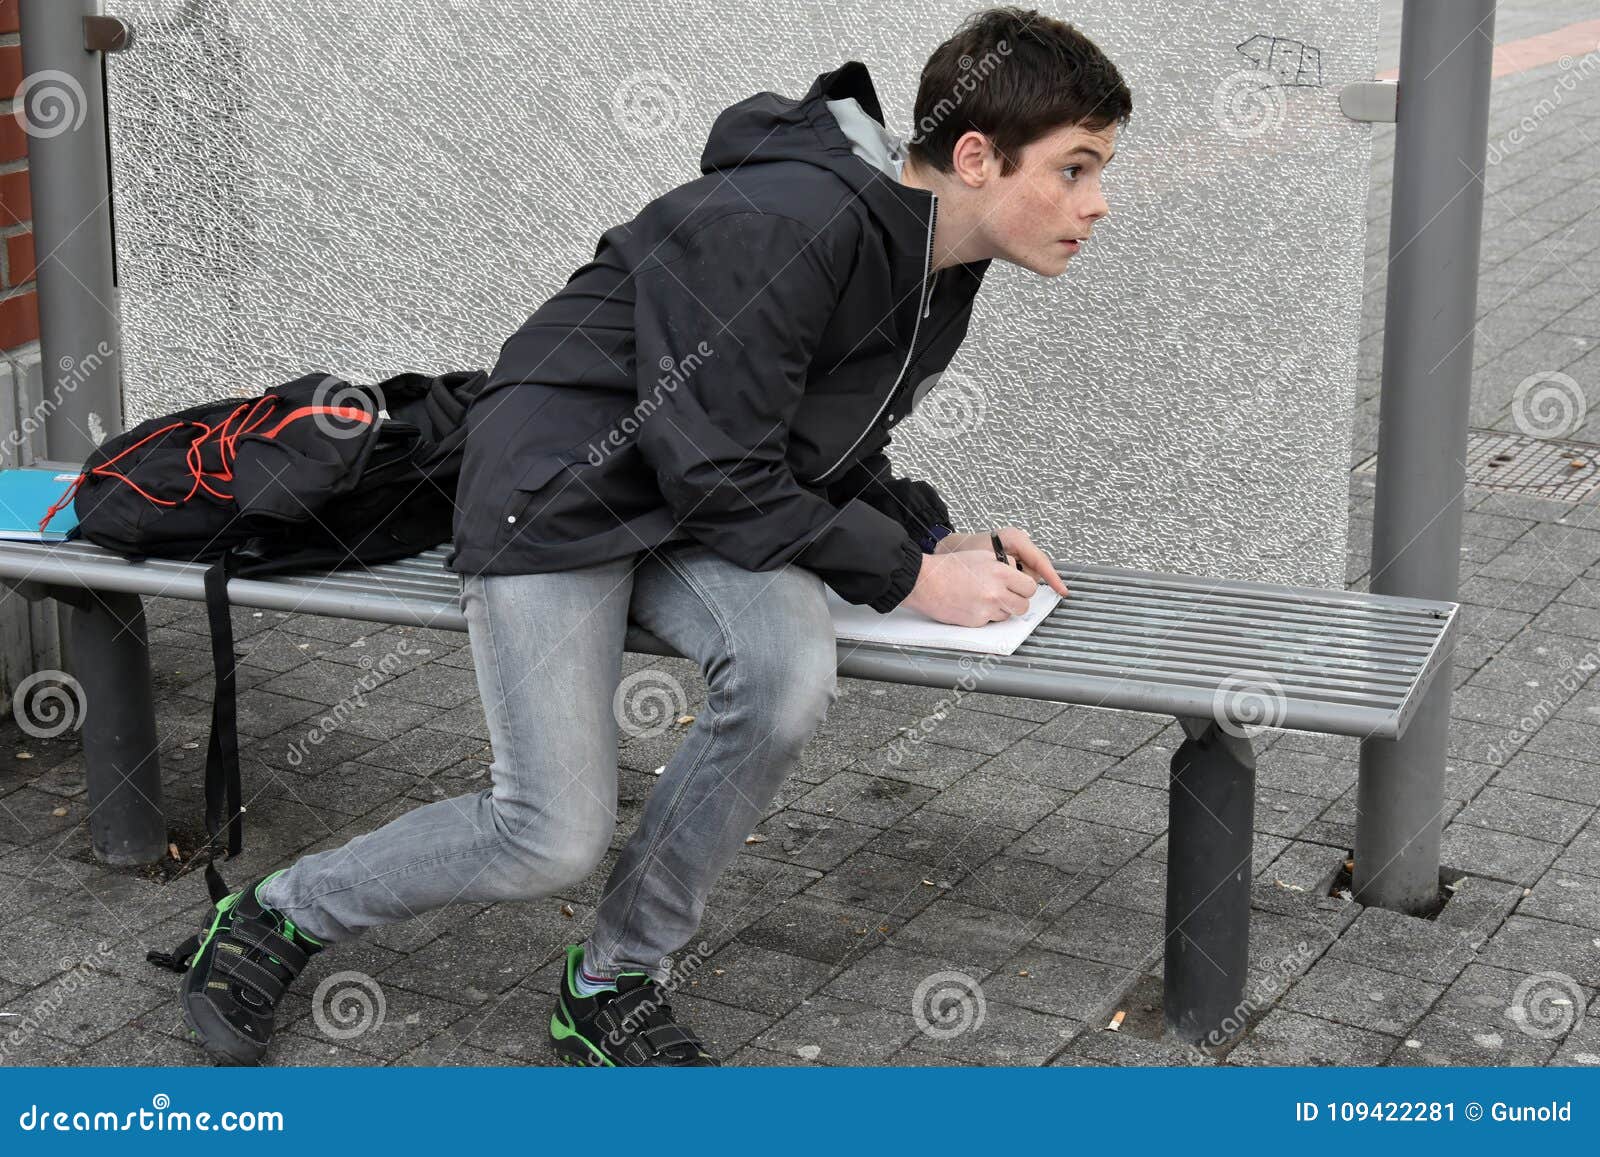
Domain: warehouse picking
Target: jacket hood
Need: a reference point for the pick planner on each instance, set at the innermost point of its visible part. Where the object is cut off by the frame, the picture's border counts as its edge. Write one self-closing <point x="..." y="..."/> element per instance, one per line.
<point x="836" y="125"/>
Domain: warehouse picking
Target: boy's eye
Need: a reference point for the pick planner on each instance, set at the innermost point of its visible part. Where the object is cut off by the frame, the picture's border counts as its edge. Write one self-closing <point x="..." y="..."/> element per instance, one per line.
<point x="1072" y="171"/>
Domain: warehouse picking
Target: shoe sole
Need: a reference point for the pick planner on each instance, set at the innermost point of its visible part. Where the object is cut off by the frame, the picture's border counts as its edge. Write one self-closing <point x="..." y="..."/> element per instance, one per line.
<point x="218" y="1039"/>
<point x="571" y="1047"/>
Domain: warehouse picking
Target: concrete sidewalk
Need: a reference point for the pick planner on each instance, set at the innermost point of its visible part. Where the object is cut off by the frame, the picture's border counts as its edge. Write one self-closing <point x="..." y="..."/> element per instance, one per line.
<point x="1015" y="858"/>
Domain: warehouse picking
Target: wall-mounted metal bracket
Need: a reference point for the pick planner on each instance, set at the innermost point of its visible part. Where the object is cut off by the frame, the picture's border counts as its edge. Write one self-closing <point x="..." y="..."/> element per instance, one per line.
<point x="106" y="34"/>
<point x="1370" y="100"/>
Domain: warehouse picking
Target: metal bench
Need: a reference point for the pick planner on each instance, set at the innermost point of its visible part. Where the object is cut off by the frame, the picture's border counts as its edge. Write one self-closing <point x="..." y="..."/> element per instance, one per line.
<point x="1222" y="656"/>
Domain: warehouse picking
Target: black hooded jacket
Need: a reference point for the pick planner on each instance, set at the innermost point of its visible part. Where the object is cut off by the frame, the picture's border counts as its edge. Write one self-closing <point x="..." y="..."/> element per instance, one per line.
<point x="728" y="367"/>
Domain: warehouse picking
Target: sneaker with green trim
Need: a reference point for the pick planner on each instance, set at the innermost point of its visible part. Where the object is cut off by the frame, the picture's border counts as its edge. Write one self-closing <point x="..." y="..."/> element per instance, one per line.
<point x="630" y="1025"/>
<point x="236" y="972"/>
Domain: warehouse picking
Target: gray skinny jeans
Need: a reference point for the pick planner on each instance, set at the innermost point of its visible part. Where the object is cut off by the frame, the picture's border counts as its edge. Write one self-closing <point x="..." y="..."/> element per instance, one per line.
<point x="548" y="652"/>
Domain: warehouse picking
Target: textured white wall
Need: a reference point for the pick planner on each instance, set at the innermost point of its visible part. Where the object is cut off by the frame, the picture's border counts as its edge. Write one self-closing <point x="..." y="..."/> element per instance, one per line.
<point x="371" y="187"/>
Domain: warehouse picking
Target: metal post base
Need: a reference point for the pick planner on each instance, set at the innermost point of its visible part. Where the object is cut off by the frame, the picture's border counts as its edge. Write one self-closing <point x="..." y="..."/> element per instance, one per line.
<point x="111" y="661"/>
<point x="1211" y="824"/>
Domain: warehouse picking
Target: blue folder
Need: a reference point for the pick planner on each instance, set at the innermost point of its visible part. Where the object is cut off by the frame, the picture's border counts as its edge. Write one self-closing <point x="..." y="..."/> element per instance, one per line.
<point x="26" y="492"/>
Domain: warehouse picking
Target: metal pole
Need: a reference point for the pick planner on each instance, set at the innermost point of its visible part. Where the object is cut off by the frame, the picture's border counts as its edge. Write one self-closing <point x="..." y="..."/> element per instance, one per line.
<point x="1441" y="134"/>
<point x="1210" y="835"/>
<point x="62" y="102"/>
<point x="121" y="755"/>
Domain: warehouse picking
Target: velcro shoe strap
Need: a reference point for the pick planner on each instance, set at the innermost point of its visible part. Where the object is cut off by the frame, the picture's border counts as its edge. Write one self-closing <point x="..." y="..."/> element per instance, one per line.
<point x="252" y="934"/>
<point x="664" y="1036"/>
<point x="253" y="976"/>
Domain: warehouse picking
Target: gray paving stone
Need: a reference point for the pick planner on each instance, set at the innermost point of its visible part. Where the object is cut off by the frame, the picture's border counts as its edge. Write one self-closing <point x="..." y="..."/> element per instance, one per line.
<point x="1028" y="891"/>
<point x="1120" y="805"/>
<point x="886" y="977"/>
<point x="1284" y="1037"/>
<point x="1116" y="936"/>
<point x="928" y="764"/>
<point x="132" y="1047"/>
<point x="1078" y="847"/>
<point x="1306" y="773"/>
<point x="1125" y="1050"/>
<point x="483" y="958"/>
<point x="971" y="938"/>
<point x="1109" y="732"/>
<point x="1543" y="774"/>
<point x="1008" y="1035"/>
<point x="1150" y="766"/>
<point x="1408" y="945"/>
<point x="998" y="799"/>
<point x="841" y="1032"/>
<point x="883" y="884"/>
<point x="1532" y="945"/>
<point x="1536" y="816"/>
<point x="1140" y="885"/>
<point x="822" y="930"/>
<point x="1060" y="985"/>
<point x="81" y="1006"/>
<point x="1566" y="898"/>
<point x="980" y="731"/>
<point x="1501" y="855"/>
<point x="940" y="842"/>
<point x="1482" y="1019"/>
<point x="758" y="979"/>
<point x="812" y="841"/>
<point x="1362" y="997"/>
<point x="877" y="802"/>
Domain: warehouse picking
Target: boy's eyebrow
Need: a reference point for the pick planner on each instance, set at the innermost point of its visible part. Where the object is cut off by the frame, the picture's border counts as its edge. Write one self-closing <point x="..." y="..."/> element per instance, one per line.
<point x="1095" y="153"/>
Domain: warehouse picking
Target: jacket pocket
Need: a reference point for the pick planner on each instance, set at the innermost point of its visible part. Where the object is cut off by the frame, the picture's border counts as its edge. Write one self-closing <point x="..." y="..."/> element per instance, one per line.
<point x="535" y="477"/>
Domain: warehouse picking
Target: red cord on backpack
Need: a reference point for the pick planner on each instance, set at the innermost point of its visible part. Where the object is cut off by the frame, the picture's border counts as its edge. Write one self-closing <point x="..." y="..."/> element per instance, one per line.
<point x="227" y="436"/>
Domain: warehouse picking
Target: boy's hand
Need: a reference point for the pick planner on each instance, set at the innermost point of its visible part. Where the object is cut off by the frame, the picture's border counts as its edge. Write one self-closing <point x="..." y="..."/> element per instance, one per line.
<point x="969" y="588"/>
<point x="1017" y="544"/>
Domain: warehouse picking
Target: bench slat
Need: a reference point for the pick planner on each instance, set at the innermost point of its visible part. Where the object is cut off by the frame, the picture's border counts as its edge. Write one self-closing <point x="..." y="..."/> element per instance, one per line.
<point x="1338" y="661"/>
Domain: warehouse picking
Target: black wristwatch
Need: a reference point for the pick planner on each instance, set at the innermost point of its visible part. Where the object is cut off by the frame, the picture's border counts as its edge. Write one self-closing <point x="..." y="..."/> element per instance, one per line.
<point x="930" y="540"/>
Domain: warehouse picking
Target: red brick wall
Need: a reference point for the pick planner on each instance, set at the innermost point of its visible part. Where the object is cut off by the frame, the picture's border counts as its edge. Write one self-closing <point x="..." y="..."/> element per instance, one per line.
<point x="19" y="310"/>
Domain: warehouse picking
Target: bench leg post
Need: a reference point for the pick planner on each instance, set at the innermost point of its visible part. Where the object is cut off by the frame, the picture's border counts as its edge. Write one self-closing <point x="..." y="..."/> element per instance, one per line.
<point x="111" y="661"/>
<point x="1211" y="823"/>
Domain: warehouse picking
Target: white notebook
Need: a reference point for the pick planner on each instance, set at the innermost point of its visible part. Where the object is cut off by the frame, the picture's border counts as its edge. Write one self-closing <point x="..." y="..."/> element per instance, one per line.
<point x="907" y="628"/>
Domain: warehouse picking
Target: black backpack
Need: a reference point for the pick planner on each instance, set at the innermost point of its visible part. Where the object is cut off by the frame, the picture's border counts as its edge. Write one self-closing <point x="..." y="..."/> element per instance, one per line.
<point x="314" y="474"/>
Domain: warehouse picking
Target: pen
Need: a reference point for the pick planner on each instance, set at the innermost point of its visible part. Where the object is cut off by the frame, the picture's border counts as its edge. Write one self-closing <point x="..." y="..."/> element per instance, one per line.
<point x="1000" y="551"/>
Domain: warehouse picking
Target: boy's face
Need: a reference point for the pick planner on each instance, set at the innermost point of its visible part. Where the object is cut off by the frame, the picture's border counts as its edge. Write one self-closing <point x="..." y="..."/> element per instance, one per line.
<point x="1039" y="216"/>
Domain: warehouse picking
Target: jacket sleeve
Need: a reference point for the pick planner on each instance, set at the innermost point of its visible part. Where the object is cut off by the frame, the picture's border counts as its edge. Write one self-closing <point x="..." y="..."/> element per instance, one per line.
<point x="914" y="504"/>
<point x="726" y="319"/>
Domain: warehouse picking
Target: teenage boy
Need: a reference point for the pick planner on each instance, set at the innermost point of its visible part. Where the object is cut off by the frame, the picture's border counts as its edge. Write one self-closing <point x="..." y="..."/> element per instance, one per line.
<point x="690" y="434"/>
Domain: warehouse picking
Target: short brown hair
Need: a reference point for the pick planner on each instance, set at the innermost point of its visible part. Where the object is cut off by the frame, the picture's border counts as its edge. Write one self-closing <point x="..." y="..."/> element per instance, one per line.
<point x="1014" y="76"/>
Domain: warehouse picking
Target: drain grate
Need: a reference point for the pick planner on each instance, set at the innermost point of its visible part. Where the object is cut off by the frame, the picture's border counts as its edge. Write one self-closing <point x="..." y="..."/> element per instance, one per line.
<point x="1567" y="471"/>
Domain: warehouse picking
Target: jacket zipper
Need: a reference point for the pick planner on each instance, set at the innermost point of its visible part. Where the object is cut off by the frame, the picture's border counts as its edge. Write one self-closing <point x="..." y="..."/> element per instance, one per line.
<point x="924" y="307"/>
